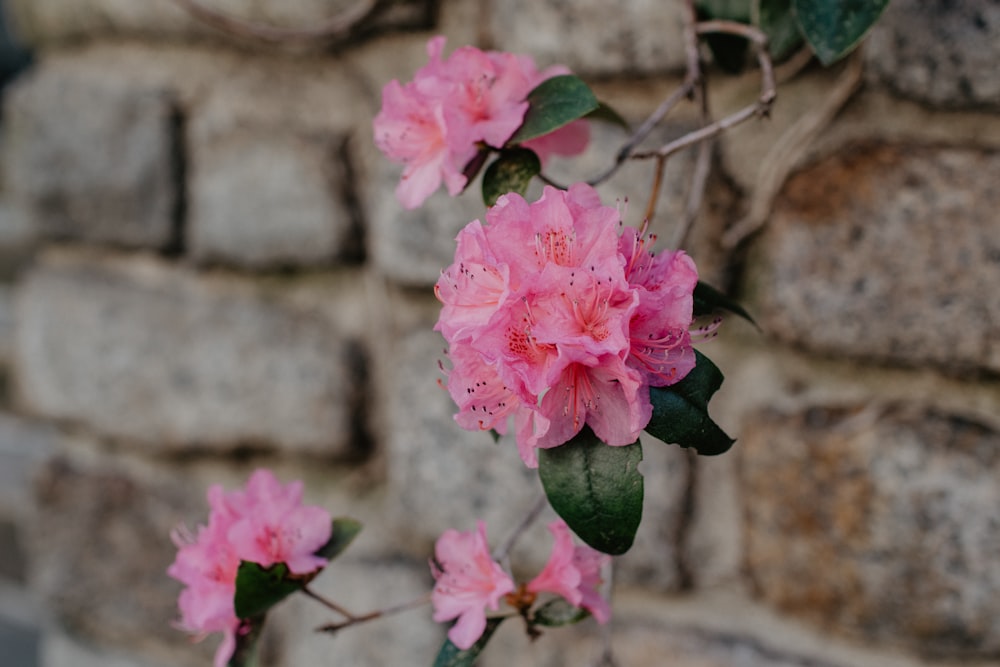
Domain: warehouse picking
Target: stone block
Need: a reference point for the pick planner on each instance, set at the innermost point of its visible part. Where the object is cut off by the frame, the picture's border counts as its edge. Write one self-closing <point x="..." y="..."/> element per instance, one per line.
<point x="608" y="39"/>
<point x="939" y="54"/>
<point x="877" y="523"/>
<point x="99" y="550"/>
<point x="169" y="358"/>
<point x="260" y="201"/>
<point x="92" y="157"/>
<point x="52" y="21"/>
<point x="58" y="649"/>
<point x="881" y="253"/>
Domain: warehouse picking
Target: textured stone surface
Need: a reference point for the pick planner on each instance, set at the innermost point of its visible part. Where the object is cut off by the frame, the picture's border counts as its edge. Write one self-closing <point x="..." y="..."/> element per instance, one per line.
<point x="637" y="37"/>
<point x="171" y="358"/>
<point x="883" y="252"/>
<point x="941" y="53"/>
<point x="879" y="523"/>
<point x="99" y="551"/>
<point x="43" y="21"/>
<point x="107" y="171"/>
<point x="261" y="201"/>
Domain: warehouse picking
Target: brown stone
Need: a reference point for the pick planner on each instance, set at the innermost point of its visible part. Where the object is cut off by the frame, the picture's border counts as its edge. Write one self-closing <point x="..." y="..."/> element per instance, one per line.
<point x="877" y="523"/>
<point x="884" y="252"/>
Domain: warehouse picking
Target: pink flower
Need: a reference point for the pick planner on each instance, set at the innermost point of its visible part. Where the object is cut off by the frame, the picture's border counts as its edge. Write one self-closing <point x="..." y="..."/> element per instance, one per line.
<point x="555" y="319"/>
<point x="468" y="581"/>
<point x="266" y="524"/>
<point x="573" y="572"/>
<point x="435" y="124"/>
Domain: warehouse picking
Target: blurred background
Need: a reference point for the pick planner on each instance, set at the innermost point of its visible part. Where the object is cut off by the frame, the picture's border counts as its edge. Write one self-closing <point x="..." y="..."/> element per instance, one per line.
<point x="204" y="270"/>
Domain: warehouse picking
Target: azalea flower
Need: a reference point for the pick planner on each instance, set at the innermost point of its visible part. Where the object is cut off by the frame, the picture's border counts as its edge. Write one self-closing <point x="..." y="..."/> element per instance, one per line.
<point x="467" y="581"/>
<point x="265" y="524"/>
<point x="435" y="124"/>
<point x="558" y="317"/>
<point x="573" y="572"/>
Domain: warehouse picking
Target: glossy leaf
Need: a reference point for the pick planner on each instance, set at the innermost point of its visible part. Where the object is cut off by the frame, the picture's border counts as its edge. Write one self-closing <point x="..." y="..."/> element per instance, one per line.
<point x="511" y="172"/>
<point x="596" y="489"/>
<point x="834" y="27"/>
<point x="777" y="20"/>
<point x="559" y="612"/>
<point x="553" y="103"/>
<point x="343" y="533"/>
<point x="258" y="589"/>
<point x="680" y="411"/>
<point x="606" y="114"/>
<point x="452" y="656"/>
<point x="708" y="300"/>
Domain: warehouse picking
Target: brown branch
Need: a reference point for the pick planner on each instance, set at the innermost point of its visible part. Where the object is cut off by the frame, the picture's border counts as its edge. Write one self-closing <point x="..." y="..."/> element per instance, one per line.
<point x="654" y="193"/>
<point x="335" y="27"/>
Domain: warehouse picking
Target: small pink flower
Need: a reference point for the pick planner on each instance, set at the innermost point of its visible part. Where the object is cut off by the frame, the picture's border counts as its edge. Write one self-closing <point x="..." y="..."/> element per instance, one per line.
<point x="265" y="524"/>
<point x="573" y="572"/>
<point x="435" y="124"/>
<point x="468" y="581"/>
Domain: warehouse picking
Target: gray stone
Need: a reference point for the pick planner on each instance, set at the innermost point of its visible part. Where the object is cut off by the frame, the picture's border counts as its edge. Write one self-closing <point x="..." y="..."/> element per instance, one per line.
<point x="878" y="523"/>
<point x="48" y="21"/>
<point x="58" y="649"/>
<point x="943" y="54"/>
<point x="882" y="252"/>
<point x="92" y="157"/>
<point x="99" y="550"/>
<point x="635" y="38"/>
<point x="260" y="201"/>
<point x="170" y="358"/>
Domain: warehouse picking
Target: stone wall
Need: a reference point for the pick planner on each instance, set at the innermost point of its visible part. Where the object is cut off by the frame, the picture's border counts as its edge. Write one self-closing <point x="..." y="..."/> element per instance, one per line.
<point x="205" y="271"/>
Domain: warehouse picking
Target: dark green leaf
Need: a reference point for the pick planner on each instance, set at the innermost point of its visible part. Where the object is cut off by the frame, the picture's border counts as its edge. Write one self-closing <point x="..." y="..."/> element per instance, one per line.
<point x="834" y="27"/>
<point x="607" y="114"/>
<point x="247" y="641"/>
<point x="777" y="20"/>
<point x="558" y="612"/>
<point x="511" y="172"/>
<point x="258" y="589"/>
<point x="728" y="51"/>
<point x="680" y="411"/>
<point x="452" y="656"/>
<point x="343" y="533"/>
<point x="495" y="435"/>
<point x="708" y="300"/>
<point x="596" y="489"/>
<point x="553" y="103"/>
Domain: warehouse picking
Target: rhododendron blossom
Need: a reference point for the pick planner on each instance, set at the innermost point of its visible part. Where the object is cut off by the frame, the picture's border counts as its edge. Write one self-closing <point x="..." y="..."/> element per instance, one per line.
<point x="573" y="572"/>
<point x="559" y="318"/>
<point x="468" y="581"/>
<point x="435" y="124"/>
<point x="265" y="524"/>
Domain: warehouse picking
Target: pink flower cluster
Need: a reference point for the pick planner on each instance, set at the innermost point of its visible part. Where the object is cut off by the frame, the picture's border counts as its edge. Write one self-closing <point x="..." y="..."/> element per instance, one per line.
<point x="558" y="316"/>
<point x="468" y="580"/>
<point x="436" y="124"/>
<point x="265" y="524"/>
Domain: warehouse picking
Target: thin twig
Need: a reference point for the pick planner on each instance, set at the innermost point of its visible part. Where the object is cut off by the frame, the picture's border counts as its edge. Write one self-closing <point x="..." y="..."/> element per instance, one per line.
<point x="500" y="553"/>
<point x="788" y="150"/>
<point x="378" y="613"/>
<point x="654" y="194"/>
<point x="333" y="28"/>
<point x="329" y="604"/>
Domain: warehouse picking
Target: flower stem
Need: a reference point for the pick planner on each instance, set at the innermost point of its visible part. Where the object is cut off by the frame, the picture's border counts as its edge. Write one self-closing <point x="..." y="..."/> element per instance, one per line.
<point x="370" y="616"/>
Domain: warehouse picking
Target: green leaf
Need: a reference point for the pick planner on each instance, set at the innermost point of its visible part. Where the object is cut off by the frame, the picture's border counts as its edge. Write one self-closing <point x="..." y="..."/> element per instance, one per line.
<point x="834" y="27"/>
<point x="680" y="411"/>
<point x="728" y="10"/>
<point x="473" y="166"/>
<point x="258" y="589"/>
<point x="343" y="533"/>
<point x="777" y="20"/>
<point x="452" y="656"/>
<point x="728" y="51"/>
<point x="247" y="641"/>
<point x="553" y="103"/>
<point x="596" y="489"/>
<point x="559" y="612"/>
<point x="708" y="300"/>
<point x="606" y="114"/>
<point x="511" y="172"/>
